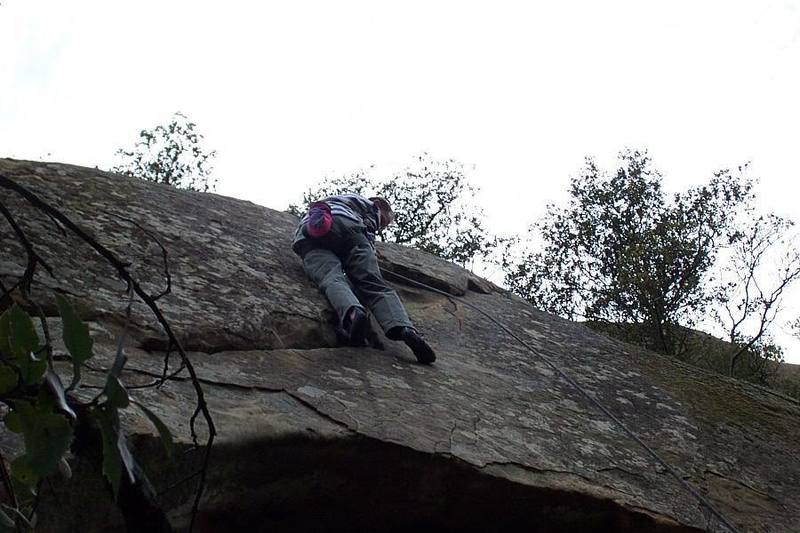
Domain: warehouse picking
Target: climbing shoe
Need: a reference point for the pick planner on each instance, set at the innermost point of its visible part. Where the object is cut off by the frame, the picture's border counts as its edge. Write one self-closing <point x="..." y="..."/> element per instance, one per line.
<point x="356" y="327"/>
<point x="421" y="349"/>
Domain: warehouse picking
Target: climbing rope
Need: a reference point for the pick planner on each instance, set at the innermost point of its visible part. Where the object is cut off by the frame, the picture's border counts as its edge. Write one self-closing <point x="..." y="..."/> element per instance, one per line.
<point x="703" y="501"/>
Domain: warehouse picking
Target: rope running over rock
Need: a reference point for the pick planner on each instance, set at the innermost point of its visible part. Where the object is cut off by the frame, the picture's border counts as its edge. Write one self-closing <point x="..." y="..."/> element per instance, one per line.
<point x="703" y="501"/>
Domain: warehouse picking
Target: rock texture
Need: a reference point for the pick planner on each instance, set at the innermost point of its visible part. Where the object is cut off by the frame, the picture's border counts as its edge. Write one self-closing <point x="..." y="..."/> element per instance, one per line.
<point x="316" y="437"/>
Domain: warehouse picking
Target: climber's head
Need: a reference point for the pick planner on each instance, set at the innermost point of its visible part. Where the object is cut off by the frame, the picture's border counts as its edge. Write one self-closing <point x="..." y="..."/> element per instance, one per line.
<point x="384" y="209"/>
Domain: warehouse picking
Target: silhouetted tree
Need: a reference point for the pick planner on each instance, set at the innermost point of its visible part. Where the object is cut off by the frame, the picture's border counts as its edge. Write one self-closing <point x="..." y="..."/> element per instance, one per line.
<point x="764" y="263"/>
<point x="624" y="255"/>
<point x="171" y="154"/>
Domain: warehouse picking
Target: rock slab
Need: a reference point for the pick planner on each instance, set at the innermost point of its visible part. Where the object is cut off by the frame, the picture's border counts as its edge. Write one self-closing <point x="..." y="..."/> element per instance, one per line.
<point x="314" y="436"/>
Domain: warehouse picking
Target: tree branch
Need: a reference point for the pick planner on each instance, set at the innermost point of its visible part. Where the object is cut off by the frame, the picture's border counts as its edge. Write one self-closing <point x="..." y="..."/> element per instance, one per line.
<point x="121" y="268"/>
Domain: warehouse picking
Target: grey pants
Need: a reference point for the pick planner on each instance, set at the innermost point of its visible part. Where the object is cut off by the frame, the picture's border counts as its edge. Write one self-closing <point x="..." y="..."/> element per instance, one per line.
<point x="346" y="253"/>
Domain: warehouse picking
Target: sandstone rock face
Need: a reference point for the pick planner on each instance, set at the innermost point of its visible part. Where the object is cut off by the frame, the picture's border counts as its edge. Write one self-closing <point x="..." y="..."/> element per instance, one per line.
<point x="316" y="437"/>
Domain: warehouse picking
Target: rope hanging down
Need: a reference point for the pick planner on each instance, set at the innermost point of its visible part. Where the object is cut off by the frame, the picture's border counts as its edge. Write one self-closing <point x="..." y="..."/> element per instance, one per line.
<point x="699" y="497"/>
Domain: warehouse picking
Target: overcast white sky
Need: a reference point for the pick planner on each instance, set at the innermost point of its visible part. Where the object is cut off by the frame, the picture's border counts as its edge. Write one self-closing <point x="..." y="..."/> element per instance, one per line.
<point x="520" y="92"/>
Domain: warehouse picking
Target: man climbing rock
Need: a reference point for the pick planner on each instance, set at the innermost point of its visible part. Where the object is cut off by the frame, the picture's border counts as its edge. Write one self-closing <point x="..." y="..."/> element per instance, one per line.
<point x="336" y="240"/>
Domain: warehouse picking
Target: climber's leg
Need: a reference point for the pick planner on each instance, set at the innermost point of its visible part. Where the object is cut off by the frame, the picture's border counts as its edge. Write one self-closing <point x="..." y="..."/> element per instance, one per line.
<point x="324" y="268"/>
<point x="362" y="268"/>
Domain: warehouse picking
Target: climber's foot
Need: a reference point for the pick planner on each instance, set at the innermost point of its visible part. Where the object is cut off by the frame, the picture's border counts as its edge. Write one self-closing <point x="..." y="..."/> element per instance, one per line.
<point x="356" y="327"/>
<point x="421" y="349"/>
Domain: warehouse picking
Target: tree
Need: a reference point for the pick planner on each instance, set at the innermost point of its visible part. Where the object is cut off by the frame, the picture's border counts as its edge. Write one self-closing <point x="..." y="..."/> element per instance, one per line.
<point x="764" y="263"/>
<point x="171" y="154"/>
<point x="434" y="207"/>
<point x="624" y="256"/>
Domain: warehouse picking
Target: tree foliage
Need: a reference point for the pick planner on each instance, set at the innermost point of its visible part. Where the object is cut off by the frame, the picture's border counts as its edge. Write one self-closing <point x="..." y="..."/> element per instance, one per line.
<point x="434" y="205"/>
<point x="764" y="263"/>
<point x="42" y="411"/>
<point x="625" y="254"/>
<point x="172" y="154"/>
<point x="37" y="405"/>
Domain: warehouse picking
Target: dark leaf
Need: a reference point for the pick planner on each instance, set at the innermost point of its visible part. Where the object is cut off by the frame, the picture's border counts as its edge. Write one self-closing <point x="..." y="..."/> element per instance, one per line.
<point x="47" y="437"/>
<point x="32" y="369"/>
<point x="76" y="337"/>
<point x="13" y="422"/>
<point x="117" y="459"/>
<point x="56" y="388"/>
<point x="112" y="462"/>
<point x="23" y="473"/>
<point x="64" y="468"/>
<point x="116" y="393"/>
<point x="5" y="334"/>
<point x="163" y="430"/>
<point x="22" y="335"/>
<point x="8" y="379"/>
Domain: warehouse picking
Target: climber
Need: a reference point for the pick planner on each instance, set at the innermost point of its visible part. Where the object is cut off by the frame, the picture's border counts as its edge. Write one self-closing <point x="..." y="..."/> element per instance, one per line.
<point x="336" y="240"/>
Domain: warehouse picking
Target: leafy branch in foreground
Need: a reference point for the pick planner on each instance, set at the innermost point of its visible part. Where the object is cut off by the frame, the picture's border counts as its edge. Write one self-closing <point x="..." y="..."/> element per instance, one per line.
<point x="44" y="412"/>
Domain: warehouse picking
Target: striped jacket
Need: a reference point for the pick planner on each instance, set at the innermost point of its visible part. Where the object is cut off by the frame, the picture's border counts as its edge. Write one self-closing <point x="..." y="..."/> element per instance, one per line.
<point x="356" y="208"/>
<point x="351" y="206"/>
